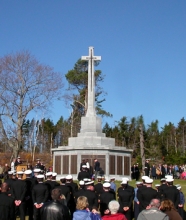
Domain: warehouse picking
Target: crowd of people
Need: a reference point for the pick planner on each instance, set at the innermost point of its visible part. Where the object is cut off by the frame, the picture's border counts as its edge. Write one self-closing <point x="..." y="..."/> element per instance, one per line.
<point x="41" y="197"/>
<point x="159" y="171"/>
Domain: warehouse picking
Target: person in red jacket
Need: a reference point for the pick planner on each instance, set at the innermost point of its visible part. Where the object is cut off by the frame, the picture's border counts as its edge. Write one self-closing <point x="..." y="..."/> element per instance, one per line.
<point x="113" y="212"/>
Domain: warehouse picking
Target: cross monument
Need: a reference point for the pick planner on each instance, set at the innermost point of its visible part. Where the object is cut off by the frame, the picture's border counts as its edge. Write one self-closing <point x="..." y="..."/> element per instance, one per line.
<point x="91" y="81"/>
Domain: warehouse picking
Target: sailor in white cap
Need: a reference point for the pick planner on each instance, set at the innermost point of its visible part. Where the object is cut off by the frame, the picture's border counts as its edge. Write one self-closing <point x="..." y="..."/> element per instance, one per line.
<point x="65" y="190"/>
<point x="145" y="196"/>
<point x="30" y="182"/>
<point x="9" y="180"/>
<point x="181" y="202"/>
<point x="125" y="198"/>
<point x="74" y="188"/>
<point x="83" y="173"/>
<point x="18" y="190"/>
<point x="98" y="187"/>
<point x="171" y="192"/>
<point x="40" y="195"/>
<point x="105" y="197"/>
<point x="36" y="172"/>
<point x="54" y="182"/>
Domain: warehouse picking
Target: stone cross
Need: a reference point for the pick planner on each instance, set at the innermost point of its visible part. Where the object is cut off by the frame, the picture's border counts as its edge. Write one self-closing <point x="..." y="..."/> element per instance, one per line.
<point x="91" y="81"/>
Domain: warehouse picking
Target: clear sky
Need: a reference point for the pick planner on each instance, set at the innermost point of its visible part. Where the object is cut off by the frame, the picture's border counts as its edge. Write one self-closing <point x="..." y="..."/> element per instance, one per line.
<point x="142" y="44"/>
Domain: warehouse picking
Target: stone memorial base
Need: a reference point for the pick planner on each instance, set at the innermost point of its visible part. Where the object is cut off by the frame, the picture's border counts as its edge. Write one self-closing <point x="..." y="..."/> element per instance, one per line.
<point x="91" y="143"/>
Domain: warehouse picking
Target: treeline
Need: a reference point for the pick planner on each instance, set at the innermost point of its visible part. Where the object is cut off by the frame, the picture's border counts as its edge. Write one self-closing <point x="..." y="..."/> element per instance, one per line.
<point x="167" y="144"/>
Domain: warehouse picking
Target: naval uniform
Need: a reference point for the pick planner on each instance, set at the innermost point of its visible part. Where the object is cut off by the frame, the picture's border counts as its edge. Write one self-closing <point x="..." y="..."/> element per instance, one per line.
<point x="18" y="192"/>
<point x="39" y="195"/>
<point x="104" y="199"/>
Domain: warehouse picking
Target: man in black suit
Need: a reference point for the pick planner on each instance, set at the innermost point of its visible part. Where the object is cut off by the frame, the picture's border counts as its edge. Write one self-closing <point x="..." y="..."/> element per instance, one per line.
<point x="96" y="168"/>
<point x="7" y="210"/>
<point x="99" y="186"/>
<point x="65" y="190"/>
<point x="171" y="192"/>
<point x="39" y="195"/>
<point x="18" y="192"/>
<point x="146" y="195"/>
<point x="83" y="174"/>
<point x="105" y="197"/>
<point x="125" y="199"/>
<point x="30" y="182"/>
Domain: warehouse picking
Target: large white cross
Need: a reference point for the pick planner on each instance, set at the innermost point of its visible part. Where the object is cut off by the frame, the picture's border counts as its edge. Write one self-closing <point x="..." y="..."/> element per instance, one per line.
<point x="91" y="81"/>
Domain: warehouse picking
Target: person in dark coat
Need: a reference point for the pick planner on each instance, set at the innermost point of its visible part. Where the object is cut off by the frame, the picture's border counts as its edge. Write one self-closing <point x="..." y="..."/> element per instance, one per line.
<point x="133" y="172"/>
<point x="39" y="195"/>
<point x="65" y="190"/>
<point x="137" y="172"/>
<point x="82" y="163"/>
<point x="90" y="195"/>
<point x="125" y="199"/>
<point x="105" y="197"/>
<point x="146" y="195"/>
<point x="171" y="192"/>
<point x="74" y="188"/>
<point x="153" y="171"/>
<point x="7" y="208"/>
<point x="147" y="168"/>
<point x="30" y="182"/>
<point x="18" y="192"/>
<point x="99" y="186"/>
<point x="55" y="210"/>
<point x="96" y="168"/>
<point x="83" y="173"/>
<point x="18" y="162"/>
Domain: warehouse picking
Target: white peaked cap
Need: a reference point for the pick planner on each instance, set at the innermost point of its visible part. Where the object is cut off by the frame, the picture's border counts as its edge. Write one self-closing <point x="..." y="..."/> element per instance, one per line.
<point x="40" y="176"/>
<point x="169" y="180"/>
<point x="139" y="183"/>
<point x="54" y="174"/>
<point x="106" y="180"/>
<point x="81" y="182"/>
<point x="69" y="177"/>
<point x="49" y="174"/>
<point x="144" y="177"/>
<point x="148" y="180"/>
<point x="157" y="185"/>
<point x="10" y="172"/>
<point x="28" y="171"/>
<point x="168" y="176"/>
<point x="89" y="183"/>
<point x="37" y="170"/>
<point x="179" y="187"/>
<point x="84" y="166"/>
<point x="106" y="185"/>
<point x="124" y="181"/>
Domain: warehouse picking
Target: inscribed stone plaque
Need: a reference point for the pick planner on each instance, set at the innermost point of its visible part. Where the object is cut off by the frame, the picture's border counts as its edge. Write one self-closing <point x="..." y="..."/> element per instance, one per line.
<point x="119" y="165"/>
<point x="126" y="166"/>
<point x="112" y="164"/>
<point x="58" y="164"/>
<point x="73" y="164"/>
<point x="65" y="164"/>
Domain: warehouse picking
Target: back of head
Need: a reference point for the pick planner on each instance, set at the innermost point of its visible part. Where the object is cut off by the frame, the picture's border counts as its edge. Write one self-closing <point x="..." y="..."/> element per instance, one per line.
<point x="113" y="206"/>
<point x="82" y="203"/>
<point x="56" y="193"/>
<point x="155" y="203"/>
<point x="167" y="205"/>
<point x="4" y="187"/>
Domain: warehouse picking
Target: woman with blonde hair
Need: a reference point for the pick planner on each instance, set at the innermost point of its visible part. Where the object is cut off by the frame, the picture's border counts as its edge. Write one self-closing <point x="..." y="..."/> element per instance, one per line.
<point x="167" y="207"/>
<point x="82" y="212"/>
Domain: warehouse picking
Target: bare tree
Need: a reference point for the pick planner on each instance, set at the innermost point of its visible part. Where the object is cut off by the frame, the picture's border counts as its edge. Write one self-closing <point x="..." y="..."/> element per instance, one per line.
<point x="25" y="85"/>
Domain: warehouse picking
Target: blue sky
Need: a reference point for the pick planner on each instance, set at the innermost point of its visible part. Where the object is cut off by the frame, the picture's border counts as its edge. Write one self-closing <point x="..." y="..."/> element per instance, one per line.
<point x="142" y="44"/>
